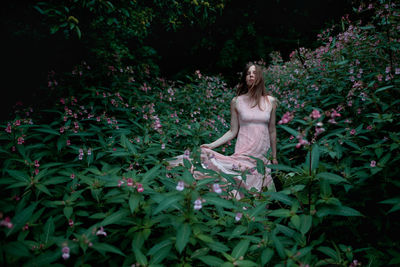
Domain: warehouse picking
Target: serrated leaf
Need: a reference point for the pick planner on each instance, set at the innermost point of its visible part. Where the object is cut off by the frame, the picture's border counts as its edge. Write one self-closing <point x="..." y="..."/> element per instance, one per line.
<point x="114" y="218"/>
<point x="218" y="246"/>
<point x="68" y="212"/>
<point x="280" y="197"/>
<point x="182" y="237"/>
<point x="306" y="223"/>
<point x="217" y="201"/>
<point x="21" y="218"/>
<point x="150" y="175"/>
<point x="167" y="203"/>
<point x="329" y="252"/>
<point x="240" y="249"/>
<point x="331" y="178"/>
<point x="337" y="210"/>
<point x="133" y="202"/>
<point x="314" y="157"/>
<point x="211" y="260"/>
<point x="49" y="229"/>
<point x="282" y="213"/>
<point x="266" y="255"/>
<point x="104" y="247"/>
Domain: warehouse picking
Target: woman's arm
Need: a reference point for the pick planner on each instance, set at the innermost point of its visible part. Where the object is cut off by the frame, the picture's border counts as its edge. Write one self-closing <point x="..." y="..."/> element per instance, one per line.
<point x="272" y="131"/>
<point x="231" y="133"/>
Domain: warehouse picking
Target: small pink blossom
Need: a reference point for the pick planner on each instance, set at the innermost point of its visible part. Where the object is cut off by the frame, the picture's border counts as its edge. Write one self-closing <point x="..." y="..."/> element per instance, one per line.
<point x="65" y="252"/>
<point x="6" y="222"/>
<point x="162" y="146"/>
<point x="36" y="171"/>
<point x="101" y="231"/>
<point x="315" y="114"/>
<point x="353" y="132"/>
<point x="369" y="127"/>
<point x="70" y="222"/>
<point x="120" y="182"/>
<point x="68" y="142"/>
<point x="139" y="188"/>
<point x="20" y="140"/>
<point x="373" y="163"/>
<point x="129" y="182"/>
<point x="8" y="128"/>
<point x="37" y="163"/>
<point x="72" y="176"/>
<point x="238" y="216"/>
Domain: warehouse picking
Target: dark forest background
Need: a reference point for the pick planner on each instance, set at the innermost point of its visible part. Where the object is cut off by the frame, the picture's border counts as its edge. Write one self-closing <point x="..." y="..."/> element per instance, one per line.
<point x="221" y="43"/>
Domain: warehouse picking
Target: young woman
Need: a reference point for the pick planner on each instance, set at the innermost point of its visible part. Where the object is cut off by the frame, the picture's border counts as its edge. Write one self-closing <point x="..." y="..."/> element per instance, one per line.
<point x="253" y="124"/>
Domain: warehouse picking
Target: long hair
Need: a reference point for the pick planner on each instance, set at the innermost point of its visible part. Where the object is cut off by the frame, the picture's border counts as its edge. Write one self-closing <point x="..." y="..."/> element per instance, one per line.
<point x="257" y="90"/>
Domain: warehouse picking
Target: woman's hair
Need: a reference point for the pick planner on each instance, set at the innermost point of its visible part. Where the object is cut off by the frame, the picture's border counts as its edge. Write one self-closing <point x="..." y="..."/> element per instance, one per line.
<point x="258" y="87"/>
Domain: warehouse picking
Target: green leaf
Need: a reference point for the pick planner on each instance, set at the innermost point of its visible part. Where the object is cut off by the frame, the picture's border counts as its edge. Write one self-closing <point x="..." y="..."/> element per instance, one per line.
<point x="282" y="213"/>
<point x="383" y="88"/>
<point x="295" y="220"/>
<point x="150" y="175"/>
<point x="140" y="257"/>
<point x="218" y="246"/>
<point x="160" y="255"/>
<point x="49" y="228"/>
<point x="20" y="176"/>
<point x="22" y="218"/>
<point x="16" y="248"/>
<point x="240" y="249"/>
<point x="217" y="201"/>
<point x="68" y="212"/>
<point x="167" y="203"/>
<point x="104" y="247"/>
<point x="289" y="130"/>
<point x="305" y="223"/>
<point x="266" y="255"/>
<point x="43" y="188"/>
<point x="280" y="197"/>
<point x="211" y="260"/>
<point x="314" y="157"/>
<point x="134" y="202"/>
<point x="278" y="245"/>
<point x="157" y="247"/>
<point x="331" y="178"/>
<point x="337" y="210"/>
<point x="245" y="263"/>
<point x="182" y="236"/>
<point x="240" y="229"/>
<point x="114" y="218"/>
<point x="329" y="252"/>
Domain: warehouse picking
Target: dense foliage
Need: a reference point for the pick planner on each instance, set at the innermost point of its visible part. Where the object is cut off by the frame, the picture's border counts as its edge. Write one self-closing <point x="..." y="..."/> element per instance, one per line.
<point x="85" y="181"/>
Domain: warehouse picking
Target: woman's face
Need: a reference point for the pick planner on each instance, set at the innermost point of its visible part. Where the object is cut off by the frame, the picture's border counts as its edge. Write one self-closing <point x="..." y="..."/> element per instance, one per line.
<point x="251" y="76"/>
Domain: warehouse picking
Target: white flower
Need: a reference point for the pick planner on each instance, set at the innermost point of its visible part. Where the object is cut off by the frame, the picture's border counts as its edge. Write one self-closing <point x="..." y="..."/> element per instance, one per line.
<point x="238" y="216"/>
<point x="101" y="231"/>
<point x="217" y="189"/>
<point x="197" y="204"/>
<point x="180" y="186"/>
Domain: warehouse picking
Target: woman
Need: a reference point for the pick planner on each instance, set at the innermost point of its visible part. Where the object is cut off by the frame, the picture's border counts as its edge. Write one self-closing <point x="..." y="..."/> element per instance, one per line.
<point x="253" y="123"/>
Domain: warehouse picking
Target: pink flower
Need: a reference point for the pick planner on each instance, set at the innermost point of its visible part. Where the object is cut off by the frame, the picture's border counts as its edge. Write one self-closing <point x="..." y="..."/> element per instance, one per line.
<point x="315" y="114"/>
<point x="37" y="163"/>
<point x="286" y="118"/>
<point x="6" y="222"/>
<point x="62" y="129"/>
<point x="238" y="216"/>
<point x="101" y="231"/>
<point x="139" y="188"/>
<point x="70" y="222"/>
<point x="198" y="204"/>
<point x="180" y="186"/>
<point x="373" y="163"/>
<point x="20" y="140"/>
<point x="68" y="142"/>
<point x="353" y="132"/>
<point x="120" y="183"/>
<point x="72" y="176"/>
<point x="89" y="152"/>
<point x="217" y="189"/>
<point x="36" y="171"/>
<point x="65" y="250"/>
<point x="129" y="182"/>
<point x="162" y="146"/>
<point x="8" y="128"/>
<point x="369" y="127"/>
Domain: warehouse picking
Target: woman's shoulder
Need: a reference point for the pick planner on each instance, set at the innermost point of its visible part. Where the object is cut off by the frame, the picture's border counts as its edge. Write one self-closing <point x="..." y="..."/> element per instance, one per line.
<point x="273" y="100"/>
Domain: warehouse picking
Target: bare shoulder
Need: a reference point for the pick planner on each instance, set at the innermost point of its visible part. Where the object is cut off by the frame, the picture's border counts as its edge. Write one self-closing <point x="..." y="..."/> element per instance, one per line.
<point x="273" y="100"/>
<point x="234" y="100"/>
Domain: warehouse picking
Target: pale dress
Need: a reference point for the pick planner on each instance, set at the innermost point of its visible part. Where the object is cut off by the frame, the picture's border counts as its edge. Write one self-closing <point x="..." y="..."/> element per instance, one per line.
<point x="252" y="140"/>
